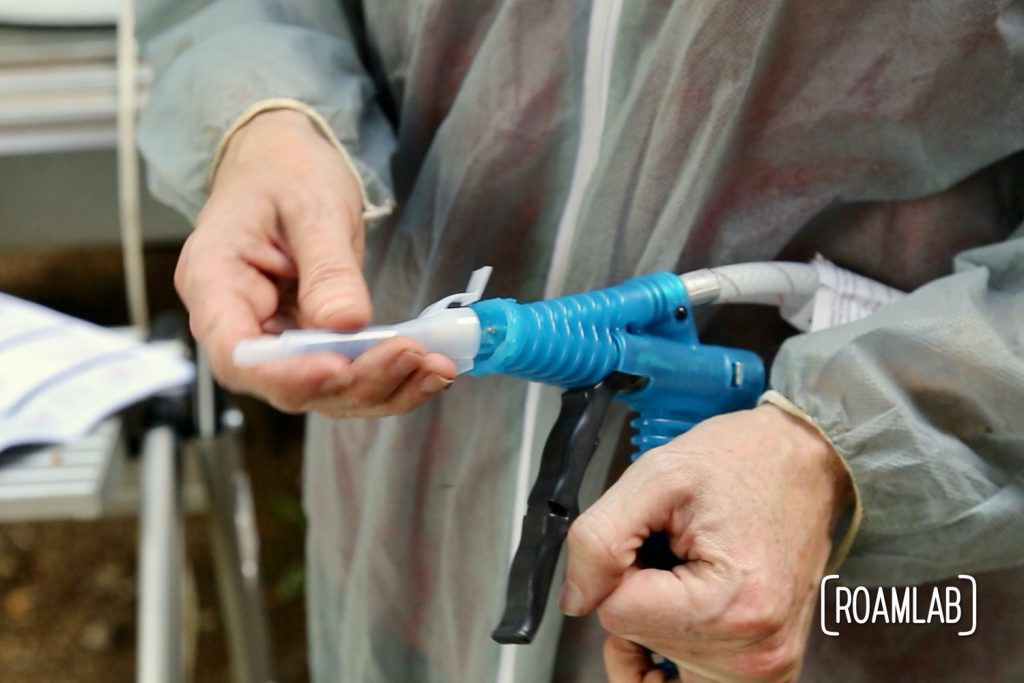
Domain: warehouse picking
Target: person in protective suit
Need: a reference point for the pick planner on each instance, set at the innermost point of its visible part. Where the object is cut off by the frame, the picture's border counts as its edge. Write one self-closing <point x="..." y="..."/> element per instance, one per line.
<point x="338" y="153"/>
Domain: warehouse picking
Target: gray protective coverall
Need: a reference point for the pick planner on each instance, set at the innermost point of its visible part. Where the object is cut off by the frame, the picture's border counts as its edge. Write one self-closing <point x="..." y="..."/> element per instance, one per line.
<point x="645" y="136"/>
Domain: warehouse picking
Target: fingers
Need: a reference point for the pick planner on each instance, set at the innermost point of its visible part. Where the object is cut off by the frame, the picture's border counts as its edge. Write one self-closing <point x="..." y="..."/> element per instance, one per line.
<point x="657" y="604"/>
<point x="301" y="198"/>
<point x="691" y="677"/>
<point x="627" y="662"/>
<point x="332" y="292"/>
<point x="229" y="300"/>
<point x="603" y="541"/>
<point x="280" y="242"/>
<point x="227" y="316"/>
<point x="325" y="238"/>
<point x="292" y="384"/>
<point x="393" y="377"/>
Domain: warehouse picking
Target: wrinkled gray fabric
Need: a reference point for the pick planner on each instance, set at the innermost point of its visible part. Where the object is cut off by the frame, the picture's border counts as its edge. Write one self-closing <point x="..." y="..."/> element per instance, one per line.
<point x="885" y="135"/>
<point x="925" y="399"/>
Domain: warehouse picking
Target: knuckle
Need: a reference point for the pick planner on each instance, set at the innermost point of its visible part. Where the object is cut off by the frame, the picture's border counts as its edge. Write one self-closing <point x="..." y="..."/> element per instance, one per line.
<point x="300" y="206"/>
<point x="359" y="396"/>
<point x="181" y="268"/>
<point x="660" y="465"/>
<point x="613" y="620"/>
<point x="347" y="403"/>
<point x="179" y="279"/>
<point x="249" y="246"/>
<point x="775" y="661"/>
<point x="752" y="625"/>
<point x="287" y="397"/>
<point x="757" y="613"/>
<point x="286" y="402"/>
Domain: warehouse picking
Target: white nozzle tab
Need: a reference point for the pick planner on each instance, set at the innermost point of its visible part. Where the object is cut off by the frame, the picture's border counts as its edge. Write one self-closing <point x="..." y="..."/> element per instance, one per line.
<point x="474" y="290"/>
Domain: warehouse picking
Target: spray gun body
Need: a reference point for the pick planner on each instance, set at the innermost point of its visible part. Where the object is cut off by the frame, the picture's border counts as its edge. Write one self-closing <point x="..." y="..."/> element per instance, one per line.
<point x="636" y="343"/>
<point x="642" y="328"/>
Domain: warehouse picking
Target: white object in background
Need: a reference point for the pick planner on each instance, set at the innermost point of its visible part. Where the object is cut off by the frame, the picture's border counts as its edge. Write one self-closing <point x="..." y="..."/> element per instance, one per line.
<point x="59" y="12"/>
<point x="75" y="480"/>
<point x="843" y="296"/>
<point x="60" y="376"/>
<point x="453" y="332"/>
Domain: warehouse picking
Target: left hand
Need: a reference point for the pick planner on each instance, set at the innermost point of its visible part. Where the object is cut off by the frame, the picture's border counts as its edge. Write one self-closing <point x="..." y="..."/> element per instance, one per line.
<point x="749" y="500"/>
<point x="279" y="244"/>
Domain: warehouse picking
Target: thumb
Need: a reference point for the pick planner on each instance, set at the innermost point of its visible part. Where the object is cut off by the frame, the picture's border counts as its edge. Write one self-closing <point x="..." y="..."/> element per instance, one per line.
<point x="332" y="291"/>
<point x="603" y="541"/>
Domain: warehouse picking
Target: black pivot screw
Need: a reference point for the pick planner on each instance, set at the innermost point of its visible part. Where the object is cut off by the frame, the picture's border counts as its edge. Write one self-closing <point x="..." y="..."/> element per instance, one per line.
<point x="681" y="313"/>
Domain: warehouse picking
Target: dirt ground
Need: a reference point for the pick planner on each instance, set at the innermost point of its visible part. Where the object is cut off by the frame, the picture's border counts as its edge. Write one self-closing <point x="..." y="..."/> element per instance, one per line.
<point x="67" y="589"/>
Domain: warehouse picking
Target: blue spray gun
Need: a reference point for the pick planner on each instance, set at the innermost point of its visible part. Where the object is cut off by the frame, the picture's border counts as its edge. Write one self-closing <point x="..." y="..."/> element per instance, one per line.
<point x="635" y="342"/>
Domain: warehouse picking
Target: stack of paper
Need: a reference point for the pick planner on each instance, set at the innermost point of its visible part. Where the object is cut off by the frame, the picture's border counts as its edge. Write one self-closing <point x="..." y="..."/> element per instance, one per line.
<point x="60" y="376"/>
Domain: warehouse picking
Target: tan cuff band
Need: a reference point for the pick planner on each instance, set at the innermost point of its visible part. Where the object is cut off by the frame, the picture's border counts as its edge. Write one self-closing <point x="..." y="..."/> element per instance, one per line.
<point x="370" y="210"/>
<point x="840" y="551"/>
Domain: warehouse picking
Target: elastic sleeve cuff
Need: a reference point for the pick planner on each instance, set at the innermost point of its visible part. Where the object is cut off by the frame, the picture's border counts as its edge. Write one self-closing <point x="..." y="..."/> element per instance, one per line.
<point x="371" y="210"/>
<point x="847" y="536"/>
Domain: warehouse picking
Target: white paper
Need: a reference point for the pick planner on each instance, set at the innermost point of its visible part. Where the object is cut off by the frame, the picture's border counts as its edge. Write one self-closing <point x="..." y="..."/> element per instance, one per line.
<point x="843" y="296"/>
<point x="60" y="376"/>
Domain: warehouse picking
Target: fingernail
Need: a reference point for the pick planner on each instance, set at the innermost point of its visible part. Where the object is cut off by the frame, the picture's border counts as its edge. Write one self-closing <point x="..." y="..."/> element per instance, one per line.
<point x="407" y="362"/>
<point x="435" y="383"/>
<point x="571" y="599"/>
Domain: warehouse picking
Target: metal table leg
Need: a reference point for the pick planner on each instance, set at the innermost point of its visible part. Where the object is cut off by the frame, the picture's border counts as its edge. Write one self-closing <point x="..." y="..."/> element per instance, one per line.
<point x="233" y="536"/>
<point x="160" y="560"/>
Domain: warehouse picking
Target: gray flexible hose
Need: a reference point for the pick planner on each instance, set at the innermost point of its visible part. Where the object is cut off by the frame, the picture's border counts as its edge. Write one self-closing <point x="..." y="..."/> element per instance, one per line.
<point x="771" y="283"/>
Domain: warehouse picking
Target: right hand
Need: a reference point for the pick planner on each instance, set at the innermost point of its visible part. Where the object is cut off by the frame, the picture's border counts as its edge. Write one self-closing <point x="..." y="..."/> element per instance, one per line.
<point x="749" y="500"/>
<point x="279" y="244"/>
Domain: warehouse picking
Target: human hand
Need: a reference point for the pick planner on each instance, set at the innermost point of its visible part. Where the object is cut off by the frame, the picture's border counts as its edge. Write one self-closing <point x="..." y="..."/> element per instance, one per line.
<point x="279" y="244"/>
<point x="749" y="500"/>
